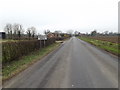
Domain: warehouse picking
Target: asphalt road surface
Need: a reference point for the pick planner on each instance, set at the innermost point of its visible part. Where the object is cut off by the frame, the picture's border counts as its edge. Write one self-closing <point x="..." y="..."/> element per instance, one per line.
<point x="75" y="64"/>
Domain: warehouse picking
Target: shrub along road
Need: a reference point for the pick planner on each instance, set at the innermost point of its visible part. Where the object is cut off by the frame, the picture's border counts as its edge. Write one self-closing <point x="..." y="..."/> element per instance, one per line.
<point x="13" y="68"/>
<point x="75" y="64"/>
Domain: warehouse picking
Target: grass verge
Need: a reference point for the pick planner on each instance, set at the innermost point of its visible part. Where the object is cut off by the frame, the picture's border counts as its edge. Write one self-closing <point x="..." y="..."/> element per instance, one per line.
<point x="15" y="67"/>
<point x="108" y="46"/>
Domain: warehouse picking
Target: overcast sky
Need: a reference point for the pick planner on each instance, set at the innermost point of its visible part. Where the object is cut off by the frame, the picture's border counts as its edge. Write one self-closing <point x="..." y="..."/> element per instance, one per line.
<point x="81" y="15"/>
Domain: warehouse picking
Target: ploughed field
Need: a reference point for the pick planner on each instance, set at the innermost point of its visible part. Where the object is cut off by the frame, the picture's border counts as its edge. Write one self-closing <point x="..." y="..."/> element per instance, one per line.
<point x="113" y="39"/>
<point x="108" y="43"/>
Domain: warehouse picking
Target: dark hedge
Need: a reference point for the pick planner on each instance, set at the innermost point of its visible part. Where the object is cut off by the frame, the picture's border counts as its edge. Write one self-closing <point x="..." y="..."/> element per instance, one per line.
<point x="14" y="50"/>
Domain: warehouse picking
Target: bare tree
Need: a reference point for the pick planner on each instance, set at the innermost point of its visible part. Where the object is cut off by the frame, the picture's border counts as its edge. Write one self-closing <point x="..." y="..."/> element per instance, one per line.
<point x="46" y="31"/>
<point x="94" y="33"/>
<point x="20" y="31"/>
<point x="17" y="30"/>
<point x="33" y="31"/>
<point x="106" y="32"/>
<point x="8" y="30"/>
<point x="29" y="32"/>
<point x="77" y="33"/>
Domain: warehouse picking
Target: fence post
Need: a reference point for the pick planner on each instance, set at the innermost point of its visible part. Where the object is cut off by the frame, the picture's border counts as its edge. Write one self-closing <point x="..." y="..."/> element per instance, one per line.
<point x="44" y="42"/>
<point x="40" y="44"/>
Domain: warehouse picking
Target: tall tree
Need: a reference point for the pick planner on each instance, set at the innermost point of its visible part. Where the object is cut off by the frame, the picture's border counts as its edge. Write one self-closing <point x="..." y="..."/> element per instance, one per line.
<point x="29" y="32"/>
<point x="8" y="30"/>
<point x="93" y="33"/>
<point x="76" y="33"/>
<point x="33" y="31"/>
<point x="18" y="29"/>
<point x="47" y="31"/>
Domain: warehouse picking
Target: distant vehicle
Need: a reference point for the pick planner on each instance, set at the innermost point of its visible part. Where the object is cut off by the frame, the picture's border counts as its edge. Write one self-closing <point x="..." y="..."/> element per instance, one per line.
<point x="42" y="37"/>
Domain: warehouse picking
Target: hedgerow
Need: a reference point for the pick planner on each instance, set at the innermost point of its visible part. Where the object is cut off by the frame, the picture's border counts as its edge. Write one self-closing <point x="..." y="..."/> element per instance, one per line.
<point x="14" y="50"/>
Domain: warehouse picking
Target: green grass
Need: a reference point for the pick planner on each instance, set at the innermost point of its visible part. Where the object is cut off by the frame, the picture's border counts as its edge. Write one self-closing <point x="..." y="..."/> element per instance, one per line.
<point x="108" y="46"/>
<point x="13" y="68"/>
<point x="8" y="40"/>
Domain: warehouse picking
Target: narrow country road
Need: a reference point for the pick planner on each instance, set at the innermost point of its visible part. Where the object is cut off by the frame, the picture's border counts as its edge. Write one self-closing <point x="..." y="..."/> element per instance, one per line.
<point x="75" y="64"/>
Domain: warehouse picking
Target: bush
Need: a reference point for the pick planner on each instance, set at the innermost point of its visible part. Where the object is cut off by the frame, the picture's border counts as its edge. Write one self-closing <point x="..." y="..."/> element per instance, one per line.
<point x="14" y="50"/>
